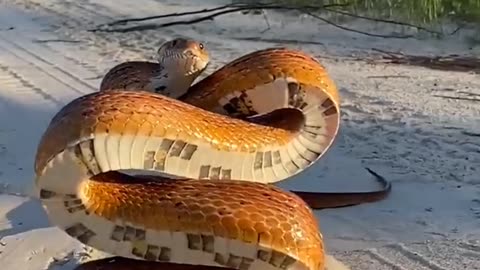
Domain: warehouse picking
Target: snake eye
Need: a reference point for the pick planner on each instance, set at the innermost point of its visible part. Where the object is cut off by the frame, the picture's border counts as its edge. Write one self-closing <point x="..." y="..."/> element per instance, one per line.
<point x="174" y="43"/>
<point x="201" y="46"/>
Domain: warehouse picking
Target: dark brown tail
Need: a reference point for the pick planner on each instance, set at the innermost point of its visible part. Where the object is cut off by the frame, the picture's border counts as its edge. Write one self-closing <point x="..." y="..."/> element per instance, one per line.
<point x="322" y="200"/>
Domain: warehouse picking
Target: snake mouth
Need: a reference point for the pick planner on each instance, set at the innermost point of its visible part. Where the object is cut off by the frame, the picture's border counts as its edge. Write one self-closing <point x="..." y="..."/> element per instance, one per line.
<point x="194" y="64"/>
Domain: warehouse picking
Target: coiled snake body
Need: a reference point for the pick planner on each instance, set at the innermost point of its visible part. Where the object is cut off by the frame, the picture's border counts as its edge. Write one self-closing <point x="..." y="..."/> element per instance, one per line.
<point x="262" y="118"/>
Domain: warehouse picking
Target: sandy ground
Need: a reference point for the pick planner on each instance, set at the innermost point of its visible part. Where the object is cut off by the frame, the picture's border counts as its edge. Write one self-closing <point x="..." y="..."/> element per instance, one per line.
<point x="393" y="122"/>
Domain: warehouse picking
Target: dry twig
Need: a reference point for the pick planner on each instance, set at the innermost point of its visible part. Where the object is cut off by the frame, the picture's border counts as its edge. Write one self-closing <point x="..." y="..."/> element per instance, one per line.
<point x="418" y="27"/>
<point x="280" y="40"/>
<point x="232" y="8"/>
<point x="176" y="14"/>
<point x="223" y="11"/>
<point x="458" y="98"/>
<point x="472" y="134"/>
<point x="354" y="30"/>
<point x="446" y="62"/>
<point x="387" y="76"/>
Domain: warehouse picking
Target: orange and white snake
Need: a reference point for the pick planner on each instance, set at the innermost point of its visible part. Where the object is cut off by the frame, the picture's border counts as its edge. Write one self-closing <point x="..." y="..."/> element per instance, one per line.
<point x="260" y="119"/>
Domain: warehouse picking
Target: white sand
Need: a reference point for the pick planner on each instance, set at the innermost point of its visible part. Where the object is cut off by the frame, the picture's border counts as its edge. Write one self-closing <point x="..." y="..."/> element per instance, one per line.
<point x="395" y="125"/>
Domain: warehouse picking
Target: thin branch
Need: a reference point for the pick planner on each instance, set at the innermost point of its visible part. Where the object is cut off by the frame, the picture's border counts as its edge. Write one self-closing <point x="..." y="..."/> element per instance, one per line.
<point x="469" y="93"/>
<point x="56" y="40"/>
<point x="207" y="17"/>
<point x="443" y="62"/>
<point x="266" y="22"/>
<point x="391" y="54"/>
<point x="277" y="40"/>
<point x="232" y="8"/>
<point x="206" y="10"/>
<point x="387" y="76"/>
<point x="354" y="30"/>
<point x="468" y="133"/>
<point x="384" y="21"/>
<point x="179" y="14"/>
<point x="418" y="27"/>
<point x="176" y="14"/>
<point x="458" y="98"/>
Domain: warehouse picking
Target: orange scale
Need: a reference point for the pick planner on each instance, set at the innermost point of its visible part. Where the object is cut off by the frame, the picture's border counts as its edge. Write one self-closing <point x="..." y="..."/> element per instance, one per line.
<point x="191" y="226"/>
<point x="215" y="196"/>
<point x="130" y="127"/>
<point x="265" y="238"/>
<point x="212" y="218"/>
<point x="158" y="130"/>
<point x="234" y="205"/>
<point x="204" y="201"/>
<point x="218" y="202"/>
<point x="105" y="118"/>
<point x="206" y="209"/>
<point x="144" y="129"/>
<point x="241" y="214"/>
<point x="272" y="222"/>
<point x="197" y="216"/>
<point x="287" y="227"/>
<point x="250" y="235"/>
<point x="244" y="224"/>
<point x="282" y="217"/>
<point x="277" y="237"/>
<point x="151" y="118"/>
<point x="244" y="201"/>
<point x="149" y="108"/>
<point x="170" y="211"/>
<point x="230" y="225"/>
<point x="111" y="111"/>
<point x="290" y="240"/>
<point x="265" y="212"/>
<point x="252" y="209"/>
<point x="219" y="230"/>
<point x="247" y="148"/>
<point x="126" y="110"/>
<point x="137" y="117"/>
<point x="255" y="217"/>
<point x="302" y="243"/>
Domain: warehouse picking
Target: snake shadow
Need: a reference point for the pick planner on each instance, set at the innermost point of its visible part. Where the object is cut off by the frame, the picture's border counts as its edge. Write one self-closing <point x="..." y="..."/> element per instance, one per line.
<point x="28" y="215"/>
<point x="21" y="126"/>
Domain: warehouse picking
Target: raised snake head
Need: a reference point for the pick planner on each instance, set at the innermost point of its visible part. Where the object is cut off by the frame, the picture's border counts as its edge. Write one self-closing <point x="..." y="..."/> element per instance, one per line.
<point x="183" y="55"/>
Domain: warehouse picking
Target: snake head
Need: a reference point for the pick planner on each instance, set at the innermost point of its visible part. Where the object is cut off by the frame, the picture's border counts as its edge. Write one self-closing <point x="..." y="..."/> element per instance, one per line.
<point x="184" y="55"/>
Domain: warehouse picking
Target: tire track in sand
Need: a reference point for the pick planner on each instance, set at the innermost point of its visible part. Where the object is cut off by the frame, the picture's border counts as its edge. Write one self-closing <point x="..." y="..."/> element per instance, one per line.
<point x="28" y="104"/>
<point x="35" y="82"/>
<point x="55" y="66"/>
<point x="428" y="255"/>
<point x="75" y="18"/>
<point x="14" y="82"/>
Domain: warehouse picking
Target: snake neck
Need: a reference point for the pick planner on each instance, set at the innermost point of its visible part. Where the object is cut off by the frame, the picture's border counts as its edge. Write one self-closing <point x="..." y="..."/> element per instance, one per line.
<point x="172" y="83"/>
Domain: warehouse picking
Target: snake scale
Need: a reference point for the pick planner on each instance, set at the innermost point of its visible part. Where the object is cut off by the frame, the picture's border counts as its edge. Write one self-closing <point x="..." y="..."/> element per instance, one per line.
<point x="260" y="119"/>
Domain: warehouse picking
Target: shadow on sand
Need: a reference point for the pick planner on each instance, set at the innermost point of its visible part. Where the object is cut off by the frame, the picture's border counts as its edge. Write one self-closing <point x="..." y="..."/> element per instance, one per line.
<point x="29" y="215"/>
<point x="21" y="128"/>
